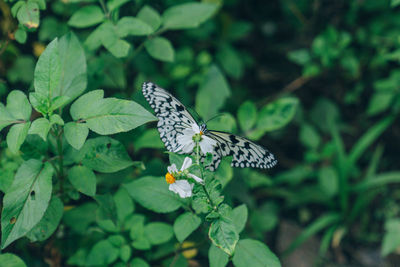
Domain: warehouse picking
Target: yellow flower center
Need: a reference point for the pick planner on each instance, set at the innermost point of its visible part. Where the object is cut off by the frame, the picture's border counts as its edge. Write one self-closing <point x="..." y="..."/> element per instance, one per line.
<point x="201" y="133"/>
<point x="169" y="178"/>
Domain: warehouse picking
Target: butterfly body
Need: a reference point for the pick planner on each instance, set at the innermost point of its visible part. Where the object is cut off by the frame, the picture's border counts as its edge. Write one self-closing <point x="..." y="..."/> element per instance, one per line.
<point x="174" y="118"/>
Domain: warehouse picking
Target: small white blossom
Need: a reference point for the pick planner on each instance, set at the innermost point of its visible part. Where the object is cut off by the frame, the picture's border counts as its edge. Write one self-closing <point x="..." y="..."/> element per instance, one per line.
<point x="186" y="142"/>
<point x="182" y="186"/>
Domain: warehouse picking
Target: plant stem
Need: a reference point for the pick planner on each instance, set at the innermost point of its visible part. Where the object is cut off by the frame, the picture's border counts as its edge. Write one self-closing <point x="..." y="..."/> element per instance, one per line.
<point x="104" y="7"/>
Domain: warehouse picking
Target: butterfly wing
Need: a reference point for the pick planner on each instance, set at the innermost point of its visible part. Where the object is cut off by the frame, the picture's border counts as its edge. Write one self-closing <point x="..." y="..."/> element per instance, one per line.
<point x="172" y="115"/>
<point x="245" y="153"/>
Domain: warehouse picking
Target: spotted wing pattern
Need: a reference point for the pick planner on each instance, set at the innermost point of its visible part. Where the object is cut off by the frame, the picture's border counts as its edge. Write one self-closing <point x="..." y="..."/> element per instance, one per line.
<point x="245" y="153"/>
<point x="172" y="115"/>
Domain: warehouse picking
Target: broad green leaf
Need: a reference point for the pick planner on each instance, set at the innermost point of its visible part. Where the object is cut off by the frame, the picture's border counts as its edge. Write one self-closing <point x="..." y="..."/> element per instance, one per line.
<point x="277" y="114"/>
<point x="11" y="260"/>
<point x="217" y="257"/>
<point x="16" y="136"/>
<point x="104" y="154"/>
<point x="309" y="136"/>
<point x="391" y="240"/>
<point x="83" y="179"/>
<point x="185" y="224"/>
<point x="125" y="253"/>
<point x="16" y="7"/>
<point x="114" y="4"/>
<point x="394" y="3"/>
<point x="160" y="48"/>
<point x="247" y="115"/>
<point x="239" y="217"/>
<point x="56" y="119"/>
<point x="118" y="47"/>
<point x="152" y="193"/>
<point x="254" y="253"/>
<point x="5" y="117"/>
<point x="48" y="72"/>
<point x="328" y="180"/>
<point x="40" y="127"/>
<point x="158" y="232"/>
<point x="132" y="26"/>
<point x="49" y="222"/>
<point x="137" y="226"/>
<point x="142" y="243"/>
<point x="379" y="102"/>
<point x="117" y="240"/>
<point x="28" y="15"/>
<point x="212" y="93"/>
<point x="149" y="139"/>
<point x="102" y="253"/>
<point x="230" y="61"/>
<point x="223" y="234"/>
<point x="188" y="15"/>
<point x="26" y="201"/>
<point x="20" y="35"/>
<point x="18" y="105"/>
<point x="86" y="16"/>
<point x="73" y="78"/>
<point x="138" y="262"/>
<point x="40" y="102"/>
<point x="76" y="134"/>
<point x="107" y="209"/>
<point x="109" y="115"/>
<point x="124" y="204"/>
<point x="150" y="16"/>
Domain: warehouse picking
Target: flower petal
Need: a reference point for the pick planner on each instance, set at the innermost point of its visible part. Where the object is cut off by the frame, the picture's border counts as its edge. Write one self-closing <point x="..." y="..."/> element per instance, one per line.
<point x="197" y="179"/>
<point x="195" y="128"/>
<point x="172" y="168"/>
<point x="186" y="163"/>
<point x="207" y="144"/>
<point x="182" y="187"/>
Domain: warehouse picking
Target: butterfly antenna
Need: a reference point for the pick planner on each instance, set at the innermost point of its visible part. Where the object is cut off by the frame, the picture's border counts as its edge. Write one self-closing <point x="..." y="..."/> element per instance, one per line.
<point x="216" y="116"/>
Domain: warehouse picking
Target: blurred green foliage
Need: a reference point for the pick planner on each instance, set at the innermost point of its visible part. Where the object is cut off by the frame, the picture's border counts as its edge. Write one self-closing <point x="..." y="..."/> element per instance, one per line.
<point x="314" y="81"/>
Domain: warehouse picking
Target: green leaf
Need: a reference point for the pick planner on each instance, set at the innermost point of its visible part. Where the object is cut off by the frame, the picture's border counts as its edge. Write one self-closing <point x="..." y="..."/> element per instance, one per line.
<point x="11" y="260"/>
<point x="309" y="136"/>
<point x="16" y="7"/>
<point x="217" y="257"/>
<point x="109" y="115"/>
<point x="328" y="181"/>
<point x="124" y="204"/>
<point x="149" y="139"/>
<point x="391" y="240"/>
<point x="125" y="253"/>
<point x="138" y="262"/>
<point x="104" y="154"/>
<point x="223" y="234"/>
<point x="247" y="115"/>
<point x="16" y="136"/>
<point x="132" y="26"/>
<point x="26" y="200"/>
<point x="76" y="134"/>
<point x="188" y="15"/>
<point x="150" y="16"/>
<point x="102" y="253"/>
<point x="239" y="217"/>
<point x="40" y="127"/>
<point x="56" y="119"/>
<point x="230" y="61"/>
<point x="394" y="3"/>
<point x="18" y="106"/>
<point x="212" y="93"/>
<point x="86" y="16"/>
<point x="158" y="232"/>
<point x="48" y="72"/>
<point x="20" y="35"/>
<point x="49" y="222"/>
<point x="300" y="57"/>
<point x="28" y="15"/>
<point x="277" y="114"/>
<point x="85" y="214"/>
<point x="107" y="208"/>
<point x="378" y="180"/>
<point x="254" y="253"/>
<point x="152" y="193"/>
<point x="114" y="4"/>
<point x="369" y="137"/>
<point x="137" y="226"/>
<point x="160" y="48"/>
<point x="83" y="179"/>
<point x="73" y="78"/>
<point x="185" y="224"/>
<point x="379" y="102"/>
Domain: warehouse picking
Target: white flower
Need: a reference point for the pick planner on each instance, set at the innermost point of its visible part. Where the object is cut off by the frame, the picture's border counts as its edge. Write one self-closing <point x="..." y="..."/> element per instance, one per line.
<point x="181" y="187"/>
<point x="186" y="142"/>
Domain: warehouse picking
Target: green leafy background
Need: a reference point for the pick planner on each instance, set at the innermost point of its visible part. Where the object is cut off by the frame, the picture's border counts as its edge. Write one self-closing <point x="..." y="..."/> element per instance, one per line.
<point x="82" y="165"/>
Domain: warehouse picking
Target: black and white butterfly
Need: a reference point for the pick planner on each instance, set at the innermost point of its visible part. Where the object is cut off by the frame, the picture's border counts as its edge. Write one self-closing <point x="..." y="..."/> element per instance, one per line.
<point x="174" y="118"/>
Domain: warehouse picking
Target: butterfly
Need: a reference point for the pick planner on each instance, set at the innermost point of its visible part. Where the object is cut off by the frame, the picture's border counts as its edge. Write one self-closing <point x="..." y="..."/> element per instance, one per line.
<point x="174" y="118"/>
